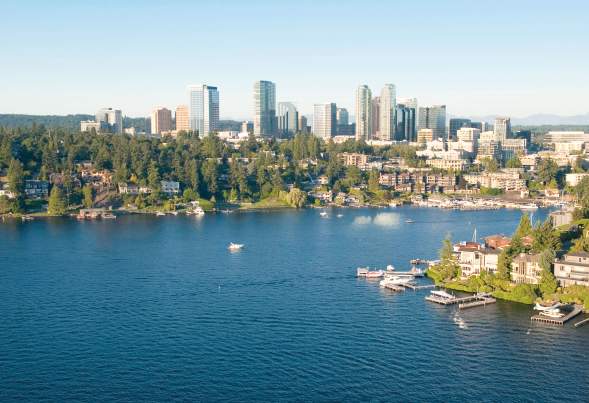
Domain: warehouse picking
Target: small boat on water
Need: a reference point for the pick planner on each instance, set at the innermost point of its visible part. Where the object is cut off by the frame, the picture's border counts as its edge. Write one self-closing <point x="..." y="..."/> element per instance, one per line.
<point x="367" y="273"/>
<point x="108" y="216"/>
<point x="339" y="215"/>
<point x="174" y="213"/>
<point x="409" y="221"/>
<point x="528" y="206"/>
<point x="197" y="211"/>
<point x="394" y="280"/>
<point x="235" y="246"/>
<point x="416" y="272"/>
<point x="323" y="214"/>
<point x="440" y="295"/>
<point x="27" y="218"/>
<point x="159" y="214"/>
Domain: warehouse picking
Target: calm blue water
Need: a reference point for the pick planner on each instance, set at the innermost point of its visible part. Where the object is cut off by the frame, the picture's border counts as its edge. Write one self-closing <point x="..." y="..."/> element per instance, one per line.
<point x="157" y="309"/>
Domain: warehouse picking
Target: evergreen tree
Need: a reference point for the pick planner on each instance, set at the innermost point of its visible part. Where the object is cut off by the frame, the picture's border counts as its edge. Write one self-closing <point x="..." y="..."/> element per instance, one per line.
<point x="87" y="191"/>
<point x="57" y="202"/>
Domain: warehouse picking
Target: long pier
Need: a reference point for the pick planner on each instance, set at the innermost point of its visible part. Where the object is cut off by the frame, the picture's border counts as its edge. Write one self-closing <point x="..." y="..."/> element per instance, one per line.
<point x="416" y="287"/>
<point x="558" y="321"/>
<point x="469" y="301"/>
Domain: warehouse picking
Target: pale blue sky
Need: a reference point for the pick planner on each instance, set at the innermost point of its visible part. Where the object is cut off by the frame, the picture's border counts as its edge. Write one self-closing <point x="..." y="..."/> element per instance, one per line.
<point x="478" y="57"/>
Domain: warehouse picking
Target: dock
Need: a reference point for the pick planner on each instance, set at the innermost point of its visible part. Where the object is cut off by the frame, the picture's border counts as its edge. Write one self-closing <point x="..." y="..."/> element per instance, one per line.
<point x="394" y="287"/>
<point x="466" y="302"/>
<point x="481" y="302"/>
<point x="582" y="322"/>
<point x="416" y="287"/>
<point x="558" y="321"/>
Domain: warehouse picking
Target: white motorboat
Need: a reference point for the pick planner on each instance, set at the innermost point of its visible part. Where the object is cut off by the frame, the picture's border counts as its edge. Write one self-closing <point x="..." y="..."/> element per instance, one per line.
<point x="159" y="214"/>
<point x="409" y="221"/>
<point x="323" y="214"/>
<point x="543" y="308"/>
<point x="339" y="215"/>
<point x="374" y="274"/>
<point x="197" y="211"/>
<point x="235" y="246"/>
<point x="528" y="206"/>
<point x="394" y="280"/>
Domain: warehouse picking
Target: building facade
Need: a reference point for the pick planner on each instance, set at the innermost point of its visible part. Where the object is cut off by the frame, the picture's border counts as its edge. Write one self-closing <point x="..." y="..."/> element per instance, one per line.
<point x="325" y="120"/>
<point x="203" y="109"/>
<point x="363" y="113"/>
<point x="264" y="108"/>
<point x="182" y="119"/>
<point x="502" y="128"/>
<point x="111" y="119"/>
<point x="161" y="120"/>
<point x="572" y="269"/>
<point x="288" y="119"/>
<point x="456" y="124"/>
<point x="387" y="111"/>
<point x="525" y="269"/>
<point x="434" y="118"/>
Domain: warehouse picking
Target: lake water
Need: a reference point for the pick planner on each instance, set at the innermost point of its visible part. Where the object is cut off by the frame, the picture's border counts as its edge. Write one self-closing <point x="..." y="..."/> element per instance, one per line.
<point x="158" y="309"/>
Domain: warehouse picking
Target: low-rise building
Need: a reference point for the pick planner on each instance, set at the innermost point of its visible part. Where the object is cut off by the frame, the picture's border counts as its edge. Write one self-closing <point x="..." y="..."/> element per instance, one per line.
<point x="446" y="164"/>
<point x="128" y="189"/>
<point x="353" y="159"/>
<point x="525" y="269"/>
<point x="170" y="187"/>
<point x="572" y="269"/>
<point x="36" y="189"/>
<point x="574" y="178"/>
<point x="4" y="191"/>
<point x="507" y="180"/>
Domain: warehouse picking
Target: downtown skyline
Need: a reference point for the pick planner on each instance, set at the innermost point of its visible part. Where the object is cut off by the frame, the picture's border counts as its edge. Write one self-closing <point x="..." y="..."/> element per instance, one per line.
<point x="502" y="62"/>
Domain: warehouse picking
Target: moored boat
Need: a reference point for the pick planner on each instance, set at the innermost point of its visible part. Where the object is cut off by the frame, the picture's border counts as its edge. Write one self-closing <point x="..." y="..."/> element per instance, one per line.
<point x="235" y="246"/>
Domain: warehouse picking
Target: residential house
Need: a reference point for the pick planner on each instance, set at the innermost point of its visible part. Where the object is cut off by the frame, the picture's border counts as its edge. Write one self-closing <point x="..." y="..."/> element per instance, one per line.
<point x="36" y="189"/>
<point x="572" y="269"/>
<point x="475" y="258"/>
<point x="525" y="269"/>
<point x="170" y="187"/>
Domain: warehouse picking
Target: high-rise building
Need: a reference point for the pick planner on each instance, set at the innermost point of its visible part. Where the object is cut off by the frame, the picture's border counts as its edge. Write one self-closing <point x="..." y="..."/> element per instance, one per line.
<point x="161" y="120"/>
<point x="204" y="109"/>
<point x="247" y="127"/>
<point x="410" y="103"/>
<point x="303" y="126"/>
<point x="363" y="113"/>
<point x="182" y="120"/>
<point x="454" y="125"/>
<point x="375" y="117"/>
<point x="110" y="118"/>
<point x="433" y="117"/>
<point x="343" y="117"/>
<point x="288" y="119"/>
<point x="264" y="108"/>
<point x="502" y="128"/>
<point x="325" y="120"/>
<point x="387" y="112"/>
<point x="405" y="123"/>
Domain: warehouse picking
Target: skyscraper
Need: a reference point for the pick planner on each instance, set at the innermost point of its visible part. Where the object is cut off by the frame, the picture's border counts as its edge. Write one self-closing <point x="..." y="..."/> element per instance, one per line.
<point x="303" y="128"/>
<point x="182" y="120"/>
<point x="433" y="117"/>
<point x="405" y="123"/>
<point x="264" y="108"/>
<point x="288" y="118"/>
<point x="455" y="124"/>
<point x="343" y="117"/>
<point x="502" y="128"/>
<point x="204" y="109"/>
<point x="161" y="120"/>
<point x="375" y="117"/>
<point x="324" y="120"/>
<point x="363" y="113"/>
<point x="388" y="110"/>
<point x="110" y="118"/>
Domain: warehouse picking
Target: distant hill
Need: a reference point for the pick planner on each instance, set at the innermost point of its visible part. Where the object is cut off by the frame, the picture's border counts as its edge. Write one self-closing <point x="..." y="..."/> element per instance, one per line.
<point x="73" y="121"/>
<point x="68" y="121"/>
<point x="539" y="119"/>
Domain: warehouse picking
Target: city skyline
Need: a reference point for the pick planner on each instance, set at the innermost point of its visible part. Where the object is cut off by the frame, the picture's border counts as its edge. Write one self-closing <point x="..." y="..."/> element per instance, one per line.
<point x="59" y="67"/>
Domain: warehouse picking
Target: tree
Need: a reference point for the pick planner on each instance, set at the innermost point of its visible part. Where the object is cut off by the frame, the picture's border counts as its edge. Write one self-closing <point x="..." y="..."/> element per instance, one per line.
<point x="16" y="178"/>
<point x="490" y="164"/>
<point x="524" y="227"/>
<point x="87" y="191"/>
<point x="373" y="181"/>
<point x="296" y="198"/>
<point x="504" y="265"/>
<point x="57" y="202"/>
<point x="153" y="176"/>
<point x="548" y="283"/>
<point x="277" y="182"/>
<point x="448" y="266"/>
<point x="546" y="170"/>
<point x="545" y="237"/>
<point x="210" y="174"/>
<point x="513" y="162"/>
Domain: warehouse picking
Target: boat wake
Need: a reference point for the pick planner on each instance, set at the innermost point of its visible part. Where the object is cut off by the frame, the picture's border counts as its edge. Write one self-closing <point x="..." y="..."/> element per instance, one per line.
<point x="460" y="322"/>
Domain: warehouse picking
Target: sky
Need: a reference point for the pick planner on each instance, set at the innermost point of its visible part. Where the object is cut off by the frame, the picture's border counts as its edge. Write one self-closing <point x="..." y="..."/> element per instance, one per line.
<point x="512" y="58"/>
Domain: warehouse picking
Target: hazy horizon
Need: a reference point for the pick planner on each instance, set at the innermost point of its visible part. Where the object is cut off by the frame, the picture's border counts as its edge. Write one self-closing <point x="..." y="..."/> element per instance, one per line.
<point x="478" y="59"/>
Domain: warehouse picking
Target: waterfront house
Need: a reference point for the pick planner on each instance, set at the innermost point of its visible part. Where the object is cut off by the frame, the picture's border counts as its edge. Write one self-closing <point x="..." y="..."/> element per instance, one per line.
<point x="497" y="241"/>
<point x="474" y="258"/>
<point x="561" y="217"/>
<point x="128" y="189"/>
<point x="170" y="187"/>
<point x="525" y="269"/>
<point x="572" y="269"/>
<point x="36" y="189"/>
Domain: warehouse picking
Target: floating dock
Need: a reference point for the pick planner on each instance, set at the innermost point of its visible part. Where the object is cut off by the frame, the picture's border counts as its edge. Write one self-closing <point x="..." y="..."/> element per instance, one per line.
<point x="394" y="287"/>
<point x="558" y="321"/>
<point x="453" y="301"/>
<point x="481" y="302"/>
<point x="416" y="287"/>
